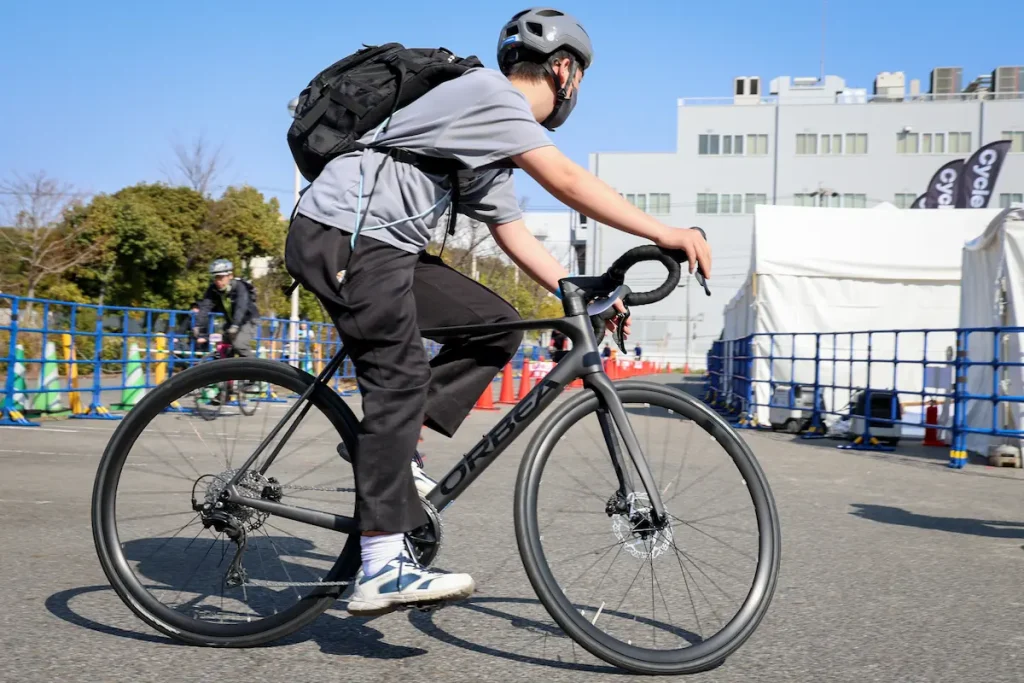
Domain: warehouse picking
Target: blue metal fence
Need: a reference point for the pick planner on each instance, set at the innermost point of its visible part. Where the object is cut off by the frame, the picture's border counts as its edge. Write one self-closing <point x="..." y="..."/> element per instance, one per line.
<point x="80" y="354"/>
<point x="877" y="386"/>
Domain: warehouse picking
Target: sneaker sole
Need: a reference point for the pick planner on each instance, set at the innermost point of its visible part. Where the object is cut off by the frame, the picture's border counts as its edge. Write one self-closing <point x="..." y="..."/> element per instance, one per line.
<point x="431" y="601"/>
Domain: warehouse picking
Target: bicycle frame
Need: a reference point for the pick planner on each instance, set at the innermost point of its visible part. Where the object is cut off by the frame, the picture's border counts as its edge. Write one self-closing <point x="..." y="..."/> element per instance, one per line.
<point x="582" y="362"/>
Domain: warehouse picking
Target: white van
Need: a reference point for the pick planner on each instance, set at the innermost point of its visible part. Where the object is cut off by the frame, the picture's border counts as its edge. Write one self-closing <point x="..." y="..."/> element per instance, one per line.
<point x="792" y="407"/>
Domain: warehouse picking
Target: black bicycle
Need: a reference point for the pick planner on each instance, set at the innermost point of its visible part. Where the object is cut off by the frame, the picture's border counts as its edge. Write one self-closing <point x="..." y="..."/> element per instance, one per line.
<point x="210" y="400"/>
<point x="260" y="537"/>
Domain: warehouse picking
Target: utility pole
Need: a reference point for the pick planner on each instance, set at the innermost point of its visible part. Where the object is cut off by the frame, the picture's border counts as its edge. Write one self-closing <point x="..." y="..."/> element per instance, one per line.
<point x="686" y="362"/>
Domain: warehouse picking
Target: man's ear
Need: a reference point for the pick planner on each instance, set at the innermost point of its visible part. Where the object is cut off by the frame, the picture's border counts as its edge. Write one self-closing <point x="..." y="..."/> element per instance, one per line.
<point x="562" y="67"/>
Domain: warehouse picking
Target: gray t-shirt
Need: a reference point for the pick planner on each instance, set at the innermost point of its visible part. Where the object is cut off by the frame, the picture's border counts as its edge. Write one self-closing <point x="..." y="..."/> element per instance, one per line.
<point x="478" y="119"/>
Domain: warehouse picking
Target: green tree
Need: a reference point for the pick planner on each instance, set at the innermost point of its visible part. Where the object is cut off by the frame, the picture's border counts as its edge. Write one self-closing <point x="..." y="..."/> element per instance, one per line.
<point x="246" y="226"/>
<point x="161" y="240"/>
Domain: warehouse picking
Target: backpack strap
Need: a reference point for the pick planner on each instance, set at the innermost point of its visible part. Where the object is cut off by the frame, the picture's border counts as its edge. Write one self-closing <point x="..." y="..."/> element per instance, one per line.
<point x="427" y="164"/>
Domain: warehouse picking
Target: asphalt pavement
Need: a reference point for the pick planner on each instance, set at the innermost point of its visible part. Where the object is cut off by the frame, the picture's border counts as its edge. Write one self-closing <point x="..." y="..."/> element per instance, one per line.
<point x="894" y="568"/>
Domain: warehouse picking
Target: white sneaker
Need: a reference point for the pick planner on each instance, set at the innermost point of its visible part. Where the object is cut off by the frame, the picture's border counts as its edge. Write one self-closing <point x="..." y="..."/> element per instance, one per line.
<point x="424" y="484"/>
<point x="403" y="583"/>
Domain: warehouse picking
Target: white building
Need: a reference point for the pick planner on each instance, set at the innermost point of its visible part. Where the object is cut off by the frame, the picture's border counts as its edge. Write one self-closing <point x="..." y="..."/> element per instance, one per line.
<point x="807" y="142"/>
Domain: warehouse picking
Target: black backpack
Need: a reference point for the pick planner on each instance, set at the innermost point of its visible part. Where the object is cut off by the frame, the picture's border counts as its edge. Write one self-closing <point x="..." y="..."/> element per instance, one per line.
<point x="253" y="309"/>
<point x="355" y="95"/>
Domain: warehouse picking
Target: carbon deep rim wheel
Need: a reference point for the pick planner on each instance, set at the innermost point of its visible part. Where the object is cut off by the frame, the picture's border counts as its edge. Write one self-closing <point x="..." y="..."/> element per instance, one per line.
<point x="699" y="657"/>
<point x="105" y="534"/>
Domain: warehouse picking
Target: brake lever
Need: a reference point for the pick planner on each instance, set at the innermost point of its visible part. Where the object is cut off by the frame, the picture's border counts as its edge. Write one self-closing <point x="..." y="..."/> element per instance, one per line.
<point x="620" y="329"/>
<point x="701" y="281"/>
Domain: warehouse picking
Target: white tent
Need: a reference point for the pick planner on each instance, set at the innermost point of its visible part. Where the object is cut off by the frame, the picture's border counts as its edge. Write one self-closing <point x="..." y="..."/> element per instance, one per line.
<point x="828" y="270"/>
<point x="992" y="295"/>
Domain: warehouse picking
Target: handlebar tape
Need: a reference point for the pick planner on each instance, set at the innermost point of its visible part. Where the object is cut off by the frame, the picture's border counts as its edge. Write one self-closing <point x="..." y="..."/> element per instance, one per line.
<point x="670" y="258"/>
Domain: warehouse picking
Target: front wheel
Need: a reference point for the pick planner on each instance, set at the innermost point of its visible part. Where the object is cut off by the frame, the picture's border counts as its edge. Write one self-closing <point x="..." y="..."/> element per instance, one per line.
<point x="654" y="597"/>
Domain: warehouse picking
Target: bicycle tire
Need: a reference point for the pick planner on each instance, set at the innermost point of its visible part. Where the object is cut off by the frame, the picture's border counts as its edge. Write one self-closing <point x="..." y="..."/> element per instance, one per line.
<point x="624" y="655"/>
<point x="123" y="580"/>
<point x="246" y="403"/>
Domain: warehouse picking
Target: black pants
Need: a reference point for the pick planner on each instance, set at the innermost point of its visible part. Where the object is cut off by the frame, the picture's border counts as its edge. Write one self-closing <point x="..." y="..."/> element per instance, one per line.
<point x="386" y="296"/>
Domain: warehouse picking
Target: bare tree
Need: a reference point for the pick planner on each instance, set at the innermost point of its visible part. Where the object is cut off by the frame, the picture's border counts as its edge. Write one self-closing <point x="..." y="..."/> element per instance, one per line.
<point x="35" y="236"/>
<point x="197" y="164"/>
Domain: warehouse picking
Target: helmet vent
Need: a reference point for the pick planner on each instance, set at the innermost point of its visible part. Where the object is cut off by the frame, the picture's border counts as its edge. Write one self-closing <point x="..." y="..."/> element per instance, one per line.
<point x="535" y="28"/>
<point x="549" y="13"/>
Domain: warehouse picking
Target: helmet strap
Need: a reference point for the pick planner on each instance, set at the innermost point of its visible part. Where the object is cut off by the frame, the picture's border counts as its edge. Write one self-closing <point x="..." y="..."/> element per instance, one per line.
<point x="561" y="91"/>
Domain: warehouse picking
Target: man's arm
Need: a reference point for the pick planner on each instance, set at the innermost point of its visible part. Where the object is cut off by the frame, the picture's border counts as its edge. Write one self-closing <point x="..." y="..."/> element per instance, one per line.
<point x="588" y="194"/>
<point x="516" y="240"/>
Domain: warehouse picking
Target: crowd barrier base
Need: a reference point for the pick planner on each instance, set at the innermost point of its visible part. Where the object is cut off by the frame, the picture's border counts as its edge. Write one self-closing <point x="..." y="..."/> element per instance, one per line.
<point x="862" y="444"/>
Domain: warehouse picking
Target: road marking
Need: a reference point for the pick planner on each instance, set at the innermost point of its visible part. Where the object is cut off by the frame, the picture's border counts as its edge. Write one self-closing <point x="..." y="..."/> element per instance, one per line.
<point x="23" y="502"/>
<point x="40" y="429"/>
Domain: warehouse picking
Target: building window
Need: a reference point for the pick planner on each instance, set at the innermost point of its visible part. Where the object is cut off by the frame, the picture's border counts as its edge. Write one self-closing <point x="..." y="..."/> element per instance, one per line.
<point x="737" y="144"/>
<point x="959" y="143"/>
<point x="1008" y="200"/>
<point x="831" y="144"/>
<point x="1016" y="137"/>
<point x="906" y="143"/>
<point x="731" y="203"/>
<point x="806" y="143"/>
<point x="926" y="144"/>
<point x="940" y="143"/>
<point x="757" y="145"/>
<point x="658" y="204"/>
<point x="803" y="200"/>
<point x="856" y="143"/>
<point x="855" y="201"/>
<point x="753" y="200"/>
<point x="708" y="144"/>
<point x="707" y="203"/>
<point x="904" y="201"/>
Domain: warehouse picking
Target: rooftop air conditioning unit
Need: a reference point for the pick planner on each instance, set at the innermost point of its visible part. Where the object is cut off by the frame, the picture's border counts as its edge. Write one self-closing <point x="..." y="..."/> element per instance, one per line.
<point x="946" y="81"/>
<point x="890" y="86"/>
<point x="1007" y="80"/>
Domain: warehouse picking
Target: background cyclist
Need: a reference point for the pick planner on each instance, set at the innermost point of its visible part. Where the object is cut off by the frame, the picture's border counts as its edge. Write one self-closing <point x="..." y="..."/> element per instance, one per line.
<point x="233" y="299"/>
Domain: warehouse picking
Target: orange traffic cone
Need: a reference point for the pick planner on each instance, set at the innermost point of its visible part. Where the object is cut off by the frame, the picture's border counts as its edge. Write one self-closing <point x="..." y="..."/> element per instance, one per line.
<point x="524" y="380"/>
<point x="576" y="384"/>
<point x="507" y="395"/>
<point x="486" y="400"/>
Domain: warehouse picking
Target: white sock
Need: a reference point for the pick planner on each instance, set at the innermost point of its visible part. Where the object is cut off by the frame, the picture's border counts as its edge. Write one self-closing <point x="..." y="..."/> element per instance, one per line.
<point x="379" y="550"/>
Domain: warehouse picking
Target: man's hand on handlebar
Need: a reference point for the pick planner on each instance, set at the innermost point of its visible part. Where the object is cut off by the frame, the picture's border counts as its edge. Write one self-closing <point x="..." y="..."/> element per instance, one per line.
<point x="611" y="322"/>
<point x="691" y="241"/>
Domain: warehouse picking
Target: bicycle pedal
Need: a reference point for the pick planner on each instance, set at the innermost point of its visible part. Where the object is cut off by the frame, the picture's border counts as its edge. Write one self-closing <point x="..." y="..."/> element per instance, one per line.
<point x="425" y="607"/>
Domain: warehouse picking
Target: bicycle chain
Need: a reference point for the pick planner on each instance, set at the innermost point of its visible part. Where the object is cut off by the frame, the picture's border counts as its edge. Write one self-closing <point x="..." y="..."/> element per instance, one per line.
<point x="301" y="584"/>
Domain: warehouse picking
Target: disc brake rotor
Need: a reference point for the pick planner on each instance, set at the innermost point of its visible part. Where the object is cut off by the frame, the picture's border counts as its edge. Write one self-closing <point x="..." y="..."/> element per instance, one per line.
<point x="637" y="534"/>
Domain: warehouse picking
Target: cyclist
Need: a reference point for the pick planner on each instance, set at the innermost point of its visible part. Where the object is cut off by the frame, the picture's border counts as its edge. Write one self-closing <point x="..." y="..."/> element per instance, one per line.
<point x="558" y="345"/>
<point x="234" y="300"/>
<point x="381" y="289"/>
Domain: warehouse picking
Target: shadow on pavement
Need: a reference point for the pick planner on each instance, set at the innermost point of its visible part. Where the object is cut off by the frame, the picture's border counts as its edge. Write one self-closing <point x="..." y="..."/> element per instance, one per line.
<point x="335" y="635"/>
<point x="542" y="630"/>
<point x="956" y="525"/>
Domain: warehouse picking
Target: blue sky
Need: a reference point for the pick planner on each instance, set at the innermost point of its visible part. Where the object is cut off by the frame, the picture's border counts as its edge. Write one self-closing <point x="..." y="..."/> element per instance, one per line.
<point x="94" y="93"/>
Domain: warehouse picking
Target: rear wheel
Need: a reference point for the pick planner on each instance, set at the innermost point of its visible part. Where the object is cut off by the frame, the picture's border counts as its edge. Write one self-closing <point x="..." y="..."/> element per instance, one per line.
<point x="192" y="580"/>
<point x="670" y="597"/>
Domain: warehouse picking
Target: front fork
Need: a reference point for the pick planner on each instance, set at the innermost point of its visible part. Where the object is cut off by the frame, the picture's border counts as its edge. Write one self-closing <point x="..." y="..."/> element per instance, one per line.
<point x="612" y="417"/>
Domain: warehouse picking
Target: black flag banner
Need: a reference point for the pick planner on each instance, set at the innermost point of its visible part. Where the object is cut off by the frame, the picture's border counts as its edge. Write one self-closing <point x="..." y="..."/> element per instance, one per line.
<point x="919" y="202"/>
<point x="941" y="193"/>
<point x="979" y="175"/>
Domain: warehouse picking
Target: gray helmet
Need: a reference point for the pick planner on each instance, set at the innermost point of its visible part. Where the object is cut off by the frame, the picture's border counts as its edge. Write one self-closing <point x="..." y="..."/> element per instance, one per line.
<point x="220" y="267"/>
<point x="543" y="31"/>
